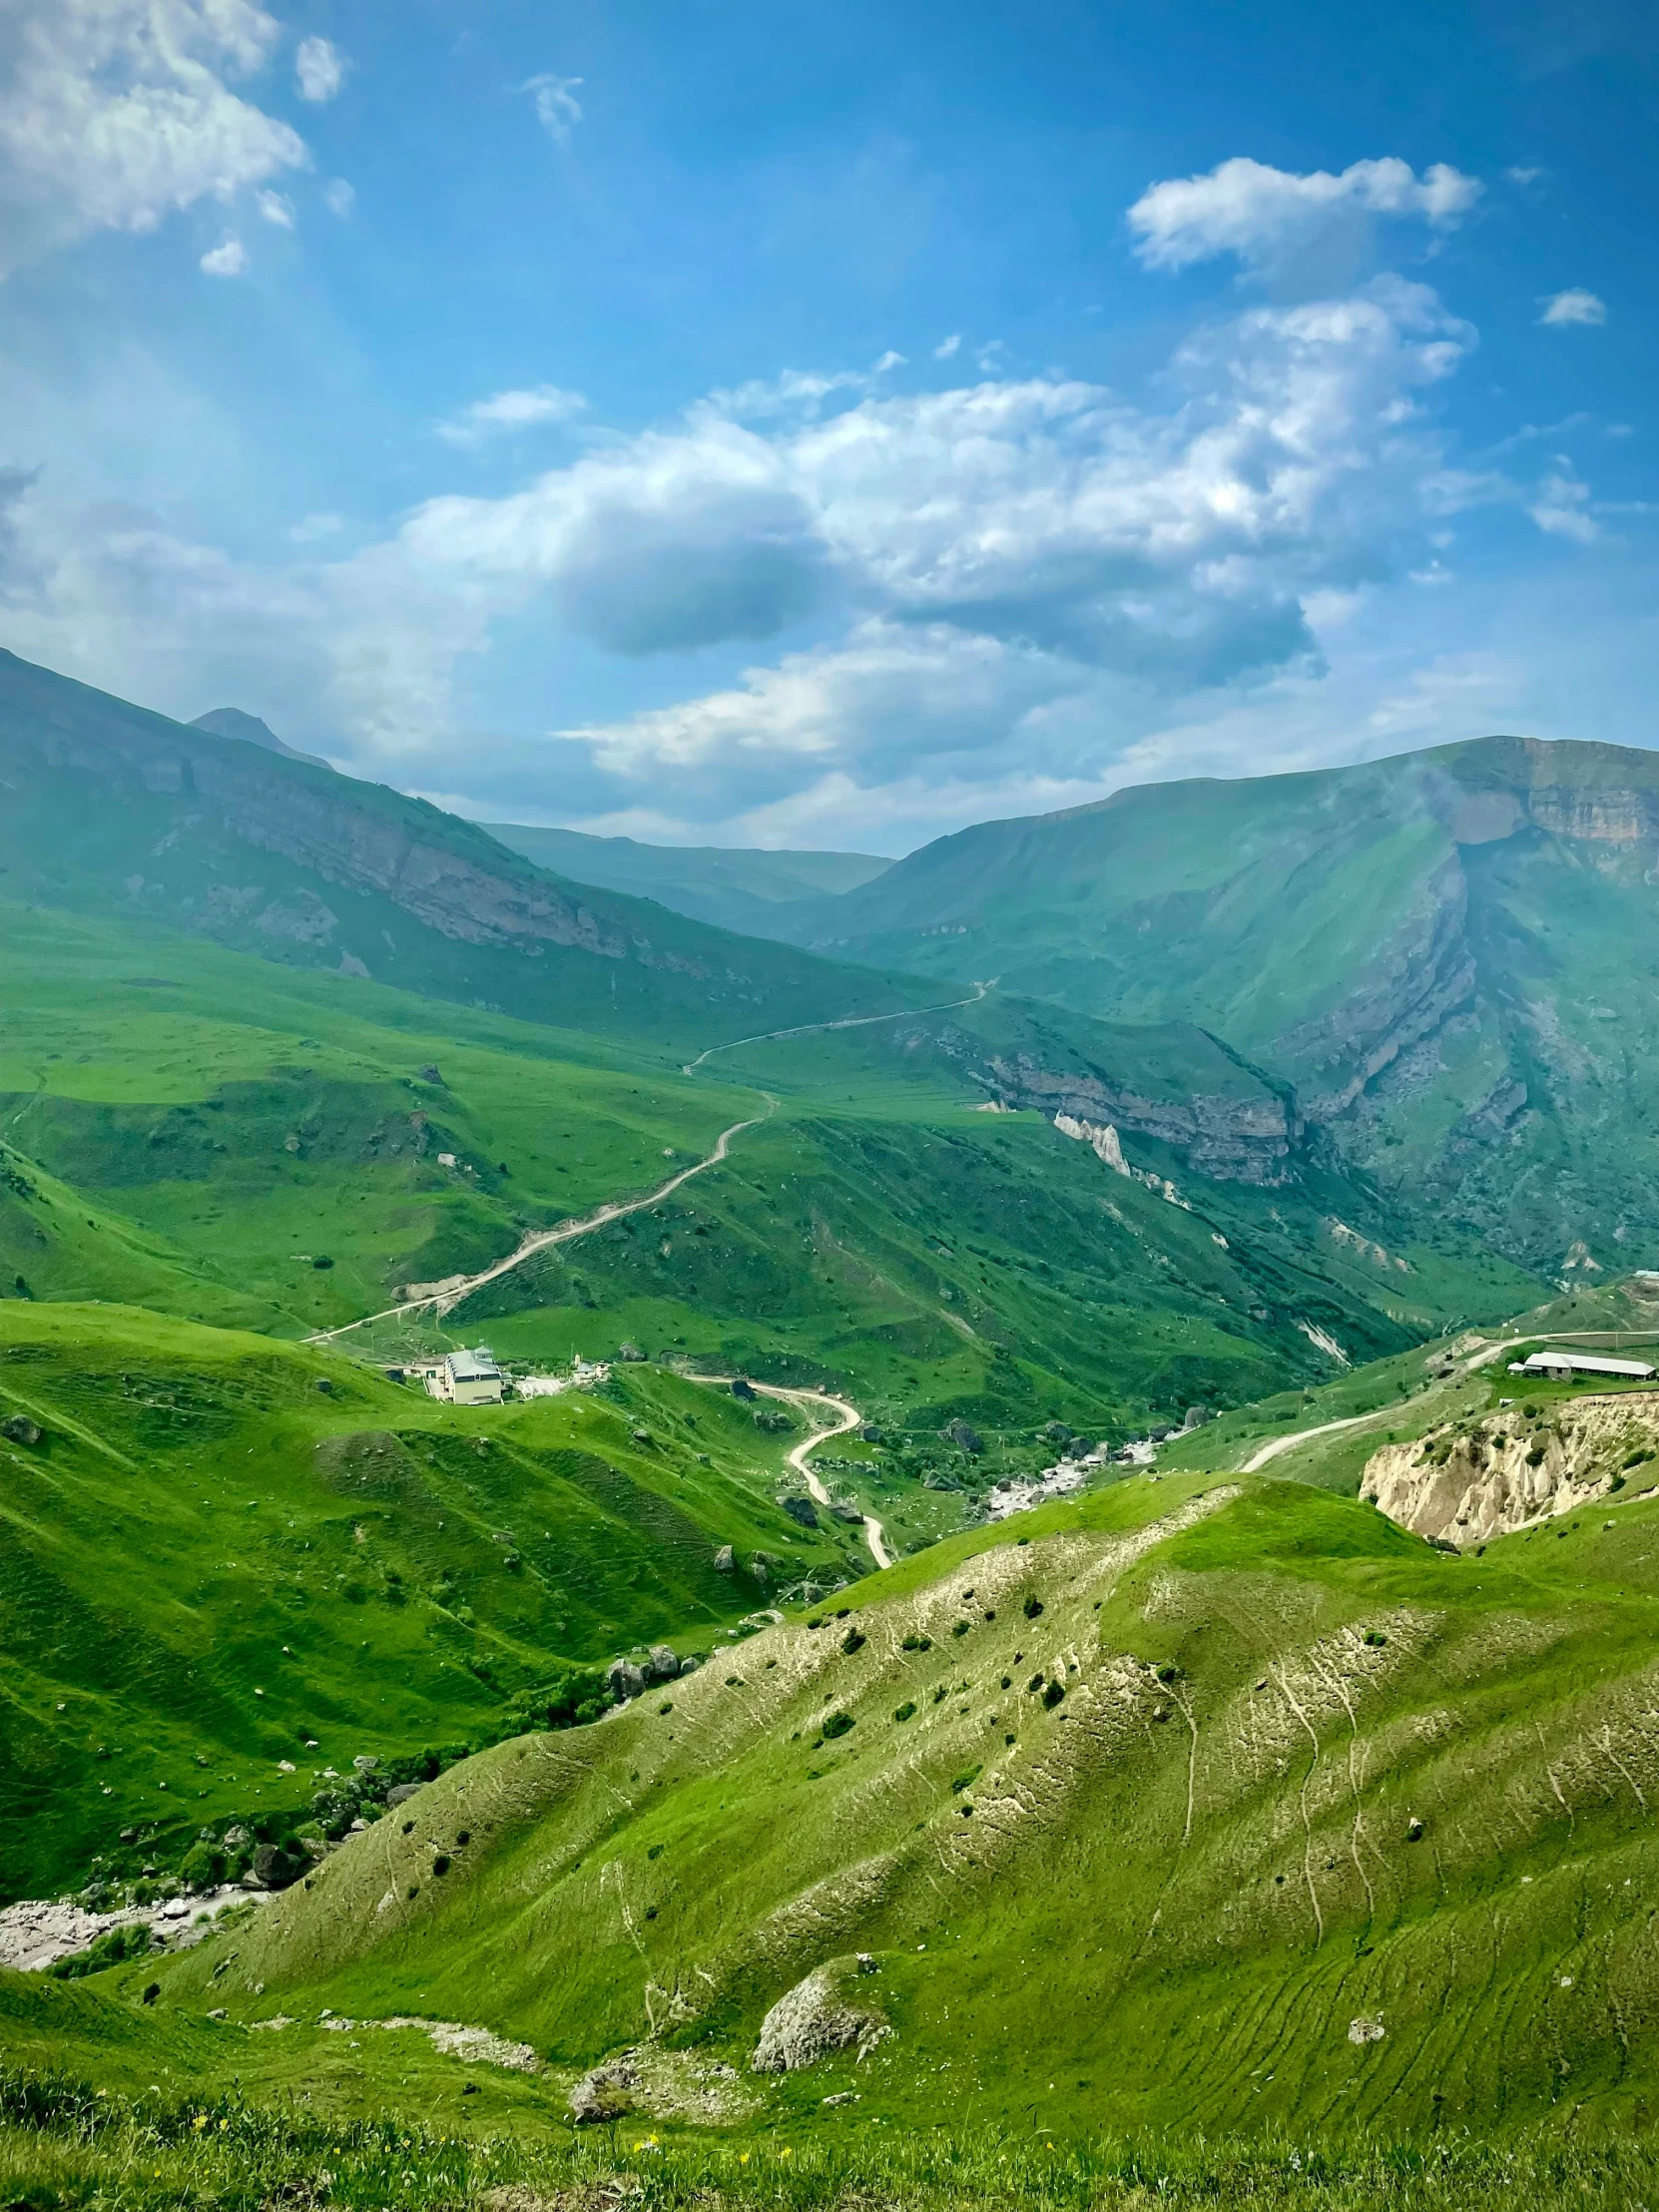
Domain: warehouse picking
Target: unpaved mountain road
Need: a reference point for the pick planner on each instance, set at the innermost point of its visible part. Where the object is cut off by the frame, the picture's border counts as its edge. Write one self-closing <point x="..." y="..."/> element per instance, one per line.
<point x="847" y="1022"/>
<point x="442" y="1301"/>
<point x="843" y="1416"/>
<point x="445" y="1301"/>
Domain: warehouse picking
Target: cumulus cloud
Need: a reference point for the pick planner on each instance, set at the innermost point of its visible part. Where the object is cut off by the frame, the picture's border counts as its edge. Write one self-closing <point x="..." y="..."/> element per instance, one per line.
<point x="116" y="113"/>
<point x="339" y="197"/>
<point x="229" y="259"/>
<point x="1263" y="215"/>
<point x="511" y="410"/>
<point x="319" y="70"/>
<point x="558" y="110"/>
<point x="949" y="348"/>
<point x="1561" y="309"/>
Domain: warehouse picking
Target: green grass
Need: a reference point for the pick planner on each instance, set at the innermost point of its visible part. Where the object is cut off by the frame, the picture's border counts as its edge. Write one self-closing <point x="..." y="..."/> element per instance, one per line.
<point x="1305" y="1770"/>
<point x="62" y="2143"/>
<point x="210" y="1559"/>
<point x="197" y="1140"/>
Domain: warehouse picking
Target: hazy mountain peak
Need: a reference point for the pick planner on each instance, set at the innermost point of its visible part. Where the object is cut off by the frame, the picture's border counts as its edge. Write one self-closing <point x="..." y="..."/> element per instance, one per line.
<point x="231" y="722"/>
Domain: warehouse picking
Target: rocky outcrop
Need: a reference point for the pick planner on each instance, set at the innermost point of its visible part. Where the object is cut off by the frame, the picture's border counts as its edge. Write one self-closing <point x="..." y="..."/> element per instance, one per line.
<point x="1465" y="1484"/>
<point x="826" y="2012"/>
<point x="1253" y="1137"/>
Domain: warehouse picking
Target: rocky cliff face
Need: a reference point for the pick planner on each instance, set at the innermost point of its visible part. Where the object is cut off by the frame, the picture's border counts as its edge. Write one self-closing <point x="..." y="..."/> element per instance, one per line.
<point x="1248" y="1139"/>
<point x="1463" y="1484"/>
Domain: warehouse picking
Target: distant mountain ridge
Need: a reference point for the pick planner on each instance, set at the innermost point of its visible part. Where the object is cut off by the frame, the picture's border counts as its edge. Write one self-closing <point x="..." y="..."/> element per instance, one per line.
<point x="112" y="808"/>
<point x="1448" y="957"/>
<point x="732" y="888"/>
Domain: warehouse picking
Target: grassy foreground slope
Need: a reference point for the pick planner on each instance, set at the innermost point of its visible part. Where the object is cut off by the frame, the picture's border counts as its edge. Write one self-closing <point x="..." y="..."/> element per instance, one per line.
<point x="1215" y="1803"/>
<point x="222" y="1553"/>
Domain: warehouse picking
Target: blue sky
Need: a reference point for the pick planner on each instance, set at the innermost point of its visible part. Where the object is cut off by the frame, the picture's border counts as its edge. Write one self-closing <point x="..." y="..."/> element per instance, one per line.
<point x="831" y="425"/>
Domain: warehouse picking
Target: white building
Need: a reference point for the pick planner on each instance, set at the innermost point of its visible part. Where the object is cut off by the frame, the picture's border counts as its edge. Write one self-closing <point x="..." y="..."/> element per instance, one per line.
<point x="471" y="1378"/>
<point x="1578" y="1363"/>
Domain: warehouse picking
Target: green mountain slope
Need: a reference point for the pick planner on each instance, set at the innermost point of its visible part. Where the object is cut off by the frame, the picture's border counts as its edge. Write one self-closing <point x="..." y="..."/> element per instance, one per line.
<point x="712" y="883"/>
<point x="114" y="810"/>
<point x="220" y="1554"/>
<point x="195" y="1129"/>
<point x="1219" y="1804"/>
<point x="1442" y="956"/>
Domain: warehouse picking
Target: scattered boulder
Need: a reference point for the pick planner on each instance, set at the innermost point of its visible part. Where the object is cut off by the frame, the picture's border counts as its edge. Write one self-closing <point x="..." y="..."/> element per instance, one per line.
<point x="1056" y="1432"/>
<point x="1160" y="1433"/>
<point x="663" y="1664"/>
<point x="630" y="1352"/>
<point x="800" y="1510"/>
<point x="1366" y="2031"/>
<point x="402" y="1792"/>
<point x="429" y="1074"/>
<point x="689" y="1663"/>
<point x="848" y="1513"/>
<point x="626" y="1679"/>
<point x="742" y="1388"/>
<point x="726" y="1560"/>
<point x="1197" y="1416"/>
<point x="870" y="1434"/>
<point x="962" y="1436"/>
<point x="606" y="2093"/>
<point x="276" y="1869"/>
<point x="826" y="2012"/>
<point x="640" y="1435"/>
<point x="20" y="1429"/>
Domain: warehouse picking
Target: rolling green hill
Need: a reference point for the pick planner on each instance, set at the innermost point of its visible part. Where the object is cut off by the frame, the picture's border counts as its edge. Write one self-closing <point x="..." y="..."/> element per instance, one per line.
<point x="1443" y="958"/>
<point x="220" y="1554"/>
<point x="715" y="884"/>
<point x="1218" y="1803"/>
<point x="112" y="810"/>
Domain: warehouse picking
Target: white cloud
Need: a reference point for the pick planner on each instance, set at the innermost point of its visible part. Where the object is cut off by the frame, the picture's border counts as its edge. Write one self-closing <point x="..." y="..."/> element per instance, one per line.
<point x="1264" y="215"/>
<point x="949" y="348"/>
<point x="558" y="110"/>
<point x="116" y="113"/>
<point x="318" y="69"/>
<point x="889" y="359"/>
<point x="229" y="259"/>
<point x="1564" y="307"/>
<point x="276" y="209"/>
<point x="1521" y="174"/>
<point x="511" y="410"/>
<point x="339" y="197"/>
<point x="312" y="529"/>
<point x="1564" y="506"/>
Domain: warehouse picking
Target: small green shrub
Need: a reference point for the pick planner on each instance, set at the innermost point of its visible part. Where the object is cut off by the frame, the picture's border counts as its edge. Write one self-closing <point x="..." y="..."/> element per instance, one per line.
<point x="836" y="1725"/>
<point x="907" y="1711"/>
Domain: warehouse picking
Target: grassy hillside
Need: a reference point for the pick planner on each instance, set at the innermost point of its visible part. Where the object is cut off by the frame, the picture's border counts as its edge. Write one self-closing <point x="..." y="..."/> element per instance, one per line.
<point x="714" y="883"/>
<point x="188" y="1127"/>
<point x="222" y="1553"/>
<point x="1135" y="1818"/>
<point x="1434" y="953"/>
<point x="112" y="810"/>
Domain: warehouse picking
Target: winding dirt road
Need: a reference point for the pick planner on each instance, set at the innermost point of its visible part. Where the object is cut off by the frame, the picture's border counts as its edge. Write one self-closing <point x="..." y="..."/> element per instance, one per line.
<point x="441" y="1302"/>
<point x="843" y="1416"/>
<point x="848" y="1021"/>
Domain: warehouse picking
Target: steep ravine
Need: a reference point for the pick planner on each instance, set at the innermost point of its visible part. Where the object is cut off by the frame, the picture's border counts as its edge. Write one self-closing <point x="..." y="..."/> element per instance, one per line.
<point x="1468" y="1482"/>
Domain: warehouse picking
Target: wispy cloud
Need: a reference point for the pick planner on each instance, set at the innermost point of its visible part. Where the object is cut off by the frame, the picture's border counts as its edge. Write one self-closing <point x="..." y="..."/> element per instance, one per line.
<point x="1564" y="506"/>
<point x="319" y="70"/>
<point x="276" y="209"/>
<point x="558" y="110"/>
<point x="339" y="197"/>
<point x="947" y="348"/>
<point x="1563" y="309"/>
<point x="511" y="410"/>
